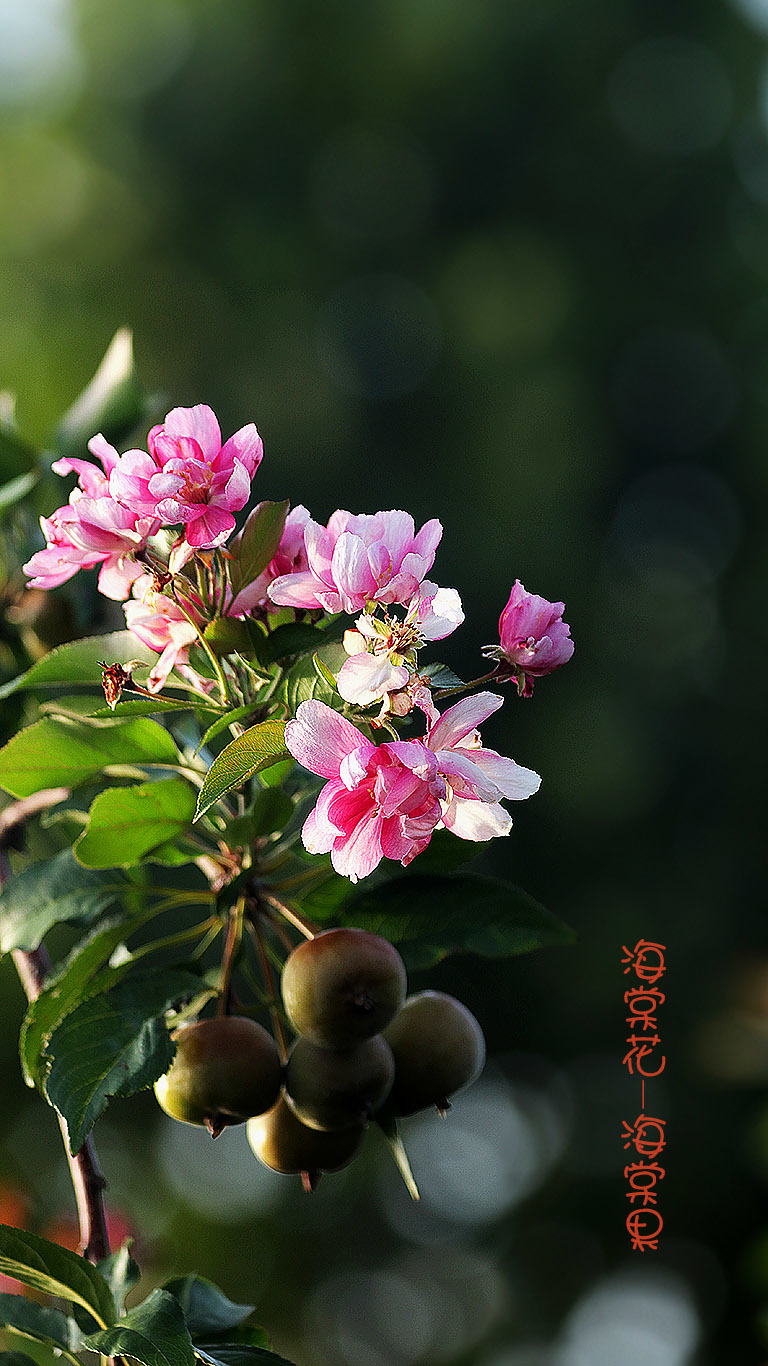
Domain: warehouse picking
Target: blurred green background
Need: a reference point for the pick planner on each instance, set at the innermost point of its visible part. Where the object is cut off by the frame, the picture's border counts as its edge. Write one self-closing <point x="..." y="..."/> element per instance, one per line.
<point x="503" y="263"/>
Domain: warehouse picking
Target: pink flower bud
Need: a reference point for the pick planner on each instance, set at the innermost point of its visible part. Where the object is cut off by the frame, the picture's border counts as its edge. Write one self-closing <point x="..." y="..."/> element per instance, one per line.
<point x="534" y="638"/>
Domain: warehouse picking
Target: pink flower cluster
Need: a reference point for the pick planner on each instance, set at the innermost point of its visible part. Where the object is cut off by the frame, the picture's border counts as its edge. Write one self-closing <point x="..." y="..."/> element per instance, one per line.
<point x="185" y="477"/>
<point x="360" y="559"/>
<point x="385" y="801"/>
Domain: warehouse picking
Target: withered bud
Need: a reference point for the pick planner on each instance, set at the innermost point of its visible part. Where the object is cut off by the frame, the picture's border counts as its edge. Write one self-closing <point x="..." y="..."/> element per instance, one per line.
<point x="160" y="579"/>
<point x="113" y="679"/>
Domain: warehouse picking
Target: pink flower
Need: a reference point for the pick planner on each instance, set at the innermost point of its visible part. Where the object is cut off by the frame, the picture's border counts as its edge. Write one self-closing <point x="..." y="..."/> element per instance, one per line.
<point x="187" y="475"/>
<point x="160" y="624"/>
<point x="382" y="650"/>
<point x="476" y="779"/>
<point x="291" y="558"/>
<point x="380" y="801"/>
<point x="534" y="638"/>
<point x="359" y="559"/>
<point x="92" y="528"/>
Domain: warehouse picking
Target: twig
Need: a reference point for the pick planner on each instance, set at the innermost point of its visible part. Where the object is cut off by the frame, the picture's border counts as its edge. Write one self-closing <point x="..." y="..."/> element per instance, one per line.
<point x="290" y="915"/>
<point x="269" y="983"/>
<point x="33" y="966"/>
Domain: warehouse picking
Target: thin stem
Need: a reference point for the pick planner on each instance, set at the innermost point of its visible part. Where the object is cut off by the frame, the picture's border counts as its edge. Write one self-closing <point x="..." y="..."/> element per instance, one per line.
<point x="171" y="940"/>
<point x="292" y="916"/>
<point x="440" y="693"/>
<point x="269" y="983"/>
<point x="231" y="949"/>
<point x="215" y="665"/>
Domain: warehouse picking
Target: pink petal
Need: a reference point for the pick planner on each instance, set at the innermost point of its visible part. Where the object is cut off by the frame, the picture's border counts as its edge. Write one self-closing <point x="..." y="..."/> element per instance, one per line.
<point x="100" y="447"/>
<point x="295" y="590"/>
<point x="427" y="541"/>
<point x="116" y="576"/>
<point x="318" y="831"/>
<point x="211" y="529"/>
<point x="464" y="716"/>
<point x="320" y="738"/>
<point x="198" y="422"/>
<point x="512" y="780"/>
<point x="246" y="446"/>
<point x="397" y="534"/>
<point x="361" y="852"/>
<point x="478" y="821"/>
<point x="238" y="489"/>
<point x="92" y="480"/>
<point x="351" y="571"/>
<point x="466" y="777"/>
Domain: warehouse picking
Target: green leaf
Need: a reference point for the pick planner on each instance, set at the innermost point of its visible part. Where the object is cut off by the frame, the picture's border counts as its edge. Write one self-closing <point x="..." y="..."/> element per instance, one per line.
<point x="228" y="636"/>
<point x="258" y="748"/>
<point x="294" y="638"/>
<point x="429" y="918"/>
<point x="113" y="1045"/>
<point x="222" y="722"/>
<point x="440" y="676"/>
<point x="16" y="1359"/>
<point x="113" y="402"/>
<point x="73" y="983"/>
<point x="18" y="488"/>
<point x="41" y="1324"/>
<point x="57" y="752"/>
<point x="237" y="1354"/>
<point x="154" y="1333"/>
<point x="206" y="1308"/>
<point x="124" y="823"/>
<point x="257" y="543"/>
<point x="77" y="662"/>
<point x="54" y="1270"/>
<point x="270" y="811"/>
<point x="47" y="893"/>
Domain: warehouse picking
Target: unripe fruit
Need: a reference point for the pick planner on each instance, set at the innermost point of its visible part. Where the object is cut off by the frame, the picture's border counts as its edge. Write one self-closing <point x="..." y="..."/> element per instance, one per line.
<point x="284" y="1144"/>
<point x="343" y="986"/>
<point x="438" y="1048"/>
<point x="224" y="1071"/>
<point x="329" y="1089"/>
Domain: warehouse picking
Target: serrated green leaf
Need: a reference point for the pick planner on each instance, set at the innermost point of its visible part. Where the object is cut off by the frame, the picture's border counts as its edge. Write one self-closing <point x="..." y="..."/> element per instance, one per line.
<point x="113" y="1045"/>
<point x="48" y="893"/>
<point x="54" y="1270"/>
<point x="112" y="403"/>
<point x="256" y="749"/>
<point x="257" y="543"/>
<point x="303" y="681"/>
<point x="206" y="1308"/>
<point x="125" y="823"/>
<point x="154" y="1333"/>
<point x="74" y="982"/>
<point x="55" y="752"/>
<point x="429" y="918"/>
<point x="121" y="1274"/>
<point x="221" y="722"/>
<point x="41" y="1324"/>
<point x="237" y="1354"/>
<point x="77" y="662"/>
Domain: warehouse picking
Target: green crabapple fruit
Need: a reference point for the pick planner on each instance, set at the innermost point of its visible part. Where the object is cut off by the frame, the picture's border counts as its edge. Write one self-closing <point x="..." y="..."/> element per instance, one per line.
<point x="283" y="1143"/>
<point x="333" y="1089"/>
<point x="343" y="986"/>
<point x="438" y="1048"/>
<point x="224" y="1071"/>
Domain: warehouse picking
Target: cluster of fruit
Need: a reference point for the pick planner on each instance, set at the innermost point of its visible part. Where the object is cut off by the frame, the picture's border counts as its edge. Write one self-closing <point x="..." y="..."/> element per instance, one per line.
<point x="362" y="1049"/>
